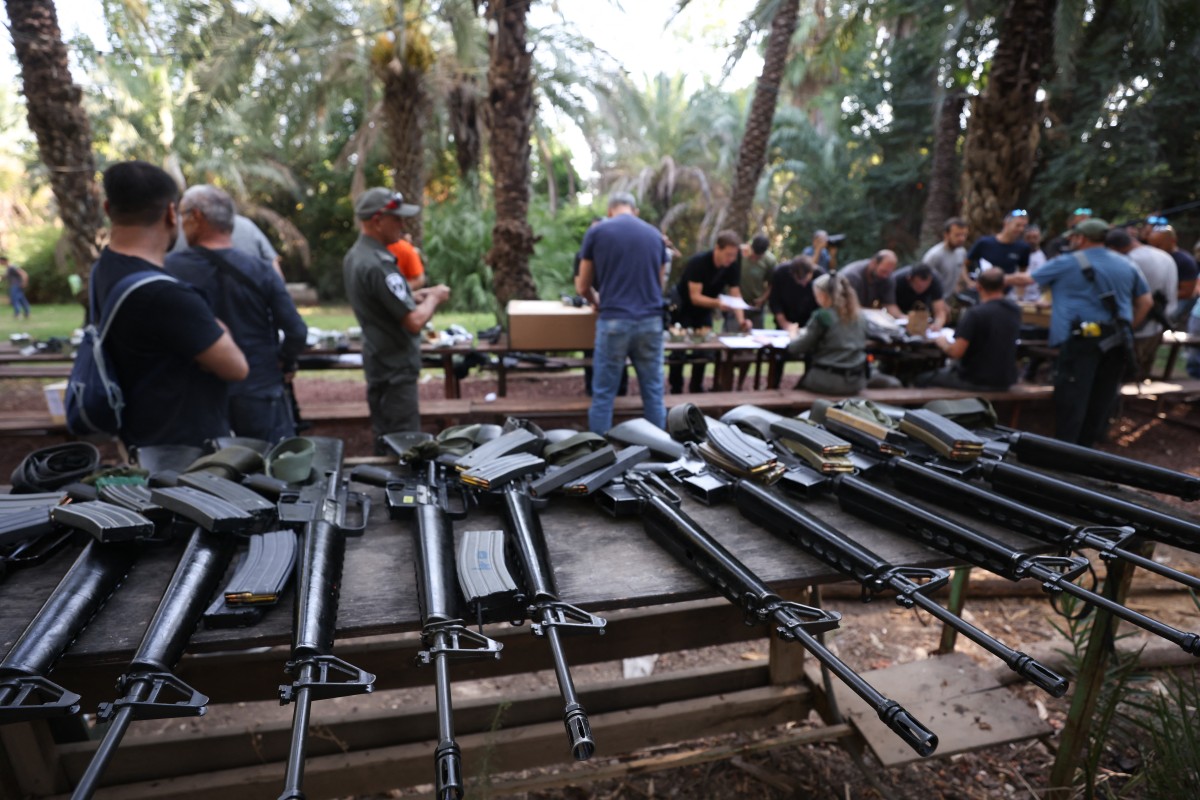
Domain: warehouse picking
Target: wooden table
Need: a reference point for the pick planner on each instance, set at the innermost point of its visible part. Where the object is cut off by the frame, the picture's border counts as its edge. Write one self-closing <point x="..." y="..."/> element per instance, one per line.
<point x="653" y="605"/>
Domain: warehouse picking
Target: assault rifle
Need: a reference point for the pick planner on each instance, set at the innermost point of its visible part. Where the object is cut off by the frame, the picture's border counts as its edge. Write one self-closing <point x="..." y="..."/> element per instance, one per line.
<point x="149" y="689"/>
<point x="443" y="633"/>
<point x="549" y="616"/>
<point x="912" y="585"/>
<point x="923" y="473"/>
<point x="320" y="509"/>
<point x="1055" y="572"/>
<point x="648" y="497"/>
<point x="771" y="511"/>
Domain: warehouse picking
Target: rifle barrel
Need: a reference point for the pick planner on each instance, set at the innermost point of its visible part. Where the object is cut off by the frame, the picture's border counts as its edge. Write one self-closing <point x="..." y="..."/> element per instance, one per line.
<point x="681" y="536"/>
<point x="530" y="544"/>
<point x="90" y="779"/>
<point x="1055" y="572"/>
<point x="784" y="518"/>
<point x="979" y="502"/>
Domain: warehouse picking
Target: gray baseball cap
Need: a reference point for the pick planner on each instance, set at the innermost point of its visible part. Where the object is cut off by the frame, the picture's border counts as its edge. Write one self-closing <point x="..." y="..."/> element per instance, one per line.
<point x="383" y="201"/>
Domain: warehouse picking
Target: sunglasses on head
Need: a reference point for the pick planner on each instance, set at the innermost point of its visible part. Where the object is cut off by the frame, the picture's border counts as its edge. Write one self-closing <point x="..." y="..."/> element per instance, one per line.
<point x="1018" y="212"/>
<point x="1156" y="220"/>
<point x="1083" y="212"/>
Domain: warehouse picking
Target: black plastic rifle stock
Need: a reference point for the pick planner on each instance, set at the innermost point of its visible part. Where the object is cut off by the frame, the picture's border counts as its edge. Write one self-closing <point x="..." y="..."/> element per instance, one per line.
<point x="1055" y="572"/>
<point x="549" y="616"/>
<point x="912" y="584"/>
<point x="689" y="543"/>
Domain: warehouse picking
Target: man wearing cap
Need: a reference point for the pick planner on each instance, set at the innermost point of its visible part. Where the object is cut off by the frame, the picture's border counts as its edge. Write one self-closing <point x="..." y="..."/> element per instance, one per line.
<point x="1097" y="296"/>
<point x="1059" y="244"/>
<point x="389" y="312"/>
<point x="622" y="268"/>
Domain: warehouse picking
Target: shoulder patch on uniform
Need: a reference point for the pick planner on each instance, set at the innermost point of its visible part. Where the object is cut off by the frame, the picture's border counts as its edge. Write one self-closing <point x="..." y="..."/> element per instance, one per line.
<point x="398" y="286"/>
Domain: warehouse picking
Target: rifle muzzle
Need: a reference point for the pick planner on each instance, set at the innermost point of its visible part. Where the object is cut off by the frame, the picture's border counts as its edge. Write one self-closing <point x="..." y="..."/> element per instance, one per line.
<point x="579" y="732"/>
<point x="922" y="740"/>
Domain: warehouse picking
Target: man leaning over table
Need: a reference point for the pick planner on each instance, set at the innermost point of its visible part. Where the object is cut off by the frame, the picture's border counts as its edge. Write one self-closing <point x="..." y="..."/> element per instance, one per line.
<point x="390" y="313"/>
<point x="621" y="273"/>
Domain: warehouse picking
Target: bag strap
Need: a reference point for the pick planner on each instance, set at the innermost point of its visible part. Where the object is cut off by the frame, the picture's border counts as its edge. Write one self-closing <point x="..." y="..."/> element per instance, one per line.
<point x="122" y="290"/>
<point x="224" y="267"/>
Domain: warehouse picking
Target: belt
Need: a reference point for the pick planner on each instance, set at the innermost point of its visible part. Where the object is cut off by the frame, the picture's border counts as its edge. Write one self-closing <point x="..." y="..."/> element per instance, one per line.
<point x="845" y="372"/>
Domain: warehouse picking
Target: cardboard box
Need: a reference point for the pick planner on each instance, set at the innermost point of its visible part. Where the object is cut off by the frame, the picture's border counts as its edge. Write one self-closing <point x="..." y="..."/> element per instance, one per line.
<point x="550" y="325"/>
<point x="56" y="401"/>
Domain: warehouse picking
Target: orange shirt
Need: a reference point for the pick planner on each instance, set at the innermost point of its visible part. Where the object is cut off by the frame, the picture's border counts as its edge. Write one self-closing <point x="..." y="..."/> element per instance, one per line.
<point x="408" y="260"/>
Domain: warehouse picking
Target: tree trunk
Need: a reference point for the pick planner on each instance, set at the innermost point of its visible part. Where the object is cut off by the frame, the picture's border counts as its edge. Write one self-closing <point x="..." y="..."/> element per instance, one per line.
<point x="753" y="153"/>
<point x="57" y="119"/>
<point x="510" y="99"/>
<point x="462" y="104"/>
<point x="406" y="108"/>
<point x="942" y="202"/>
<point x="1002" y="135"/>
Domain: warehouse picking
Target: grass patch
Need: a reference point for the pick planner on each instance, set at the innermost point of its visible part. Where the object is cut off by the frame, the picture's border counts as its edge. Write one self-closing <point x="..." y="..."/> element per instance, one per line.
<point x="61" y="319"/>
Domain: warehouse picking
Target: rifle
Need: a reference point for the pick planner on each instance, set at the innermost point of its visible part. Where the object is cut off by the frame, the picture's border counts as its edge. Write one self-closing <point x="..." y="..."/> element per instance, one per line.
<point x="443" y="633"/>
<point x="320" y="509"/>
<point x="549" y="616"/>
<point x="149" y="689"/>
<point x="691" y="545"/>
<point x="1055" y="572"/>
<point x="911" y="584"/>
<point x="971" y="499"/>
<point x="771" y="511"/>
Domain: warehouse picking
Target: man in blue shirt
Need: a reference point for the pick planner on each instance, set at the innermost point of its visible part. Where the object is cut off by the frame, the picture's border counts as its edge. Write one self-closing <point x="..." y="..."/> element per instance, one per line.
<point x="245" y="291"/>
<point x="621" y="273"/>
<point x="1098" y="296"/>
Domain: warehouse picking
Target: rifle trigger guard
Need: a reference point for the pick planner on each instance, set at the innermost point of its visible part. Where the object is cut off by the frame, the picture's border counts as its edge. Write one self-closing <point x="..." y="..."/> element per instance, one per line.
<point x="36" y="697"/>
<point x="361" y="503"/>
<point x="190" y="703"/>
<point x="331" y="677"/>
<point x="566" y="617"/>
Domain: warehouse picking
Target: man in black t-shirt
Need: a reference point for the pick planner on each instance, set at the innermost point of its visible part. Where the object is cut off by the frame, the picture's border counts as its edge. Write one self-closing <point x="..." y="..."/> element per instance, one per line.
<point x="918" y="289"/>
<point x="171" y="355"/>
<point x="1007" y="250"/>
<point x="792" y="299"/>
<point x="706" y="276"/>
<point x="985" y="342"/>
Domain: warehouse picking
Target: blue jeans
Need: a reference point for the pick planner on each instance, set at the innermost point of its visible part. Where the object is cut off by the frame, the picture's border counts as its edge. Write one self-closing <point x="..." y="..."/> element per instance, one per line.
<point x="17" y="295"/>
<point x="641" y="340"/>
<point x="266" y="417"/>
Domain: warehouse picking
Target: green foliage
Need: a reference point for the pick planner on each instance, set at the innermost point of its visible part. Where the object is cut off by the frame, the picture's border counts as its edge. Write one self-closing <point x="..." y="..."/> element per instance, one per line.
<point x="1166" y="722"/>
<point x="554" y="256"/>
<point x="33" y="251"/>
<point x="458" y="234"/>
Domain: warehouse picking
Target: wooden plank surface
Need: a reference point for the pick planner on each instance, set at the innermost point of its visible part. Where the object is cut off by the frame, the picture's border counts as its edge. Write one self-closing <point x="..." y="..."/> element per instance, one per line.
<point x="951" y="695"/>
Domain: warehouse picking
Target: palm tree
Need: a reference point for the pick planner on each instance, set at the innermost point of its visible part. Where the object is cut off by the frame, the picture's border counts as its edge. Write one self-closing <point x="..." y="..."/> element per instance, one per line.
<point x="56" y="117"/>
<point x="510" y="102"/>
<point x="753" y="153"/>
<point x="1002" y="135"/>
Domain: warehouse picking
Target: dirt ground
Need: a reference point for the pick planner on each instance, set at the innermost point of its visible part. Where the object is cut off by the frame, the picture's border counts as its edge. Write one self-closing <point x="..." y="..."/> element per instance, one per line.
<point x="872" y="636"/>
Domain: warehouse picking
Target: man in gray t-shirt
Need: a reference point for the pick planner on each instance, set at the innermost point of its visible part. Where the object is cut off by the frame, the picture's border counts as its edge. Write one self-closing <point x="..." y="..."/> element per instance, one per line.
<point x="874" y="281"/>
<point x="947" y="256"/>
<point x="391" y="315"/>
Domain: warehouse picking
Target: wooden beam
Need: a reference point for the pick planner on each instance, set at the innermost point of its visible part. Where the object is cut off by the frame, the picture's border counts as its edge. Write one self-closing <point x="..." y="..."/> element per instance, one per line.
<point x="485" y="755"/>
